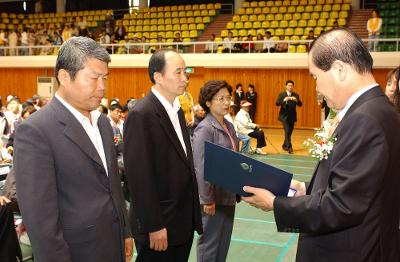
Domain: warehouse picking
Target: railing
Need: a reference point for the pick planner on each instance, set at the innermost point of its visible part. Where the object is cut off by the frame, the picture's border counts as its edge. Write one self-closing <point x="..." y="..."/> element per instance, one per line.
<point x="185" y="47"/>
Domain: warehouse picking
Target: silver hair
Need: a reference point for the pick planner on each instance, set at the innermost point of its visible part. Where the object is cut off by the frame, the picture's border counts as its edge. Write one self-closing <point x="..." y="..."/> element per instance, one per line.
<point x="74" y="52"/>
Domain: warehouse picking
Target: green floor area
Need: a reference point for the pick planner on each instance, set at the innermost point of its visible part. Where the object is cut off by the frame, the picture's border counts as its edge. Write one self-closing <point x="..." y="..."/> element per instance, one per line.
<point x="255" y="237"/>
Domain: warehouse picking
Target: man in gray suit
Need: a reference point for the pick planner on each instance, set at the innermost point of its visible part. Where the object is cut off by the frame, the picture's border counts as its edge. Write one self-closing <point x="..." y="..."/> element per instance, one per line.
<point x="66" y="168"/>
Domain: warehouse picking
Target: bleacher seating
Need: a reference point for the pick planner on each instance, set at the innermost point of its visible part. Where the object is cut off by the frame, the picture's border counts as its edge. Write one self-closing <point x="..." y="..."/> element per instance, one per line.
<point x="389" y="10"/>
<point x="292" y="19"/>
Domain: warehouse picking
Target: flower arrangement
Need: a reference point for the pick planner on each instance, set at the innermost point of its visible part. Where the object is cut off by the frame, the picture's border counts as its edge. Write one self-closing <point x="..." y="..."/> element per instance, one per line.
<point x="321" y="145"/>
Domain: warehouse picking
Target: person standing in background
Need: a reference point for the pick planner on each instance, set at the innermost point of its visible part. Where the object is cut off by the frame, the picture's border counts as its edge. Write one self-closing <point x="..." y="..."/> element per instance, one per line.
<point x="374" y="26"/>
<point x="158" y="159"/>
<point x="251" y="97"/>
<point x="288" y="101"/>
<point x="392" y="89"/>
<point x="239" y="95"/>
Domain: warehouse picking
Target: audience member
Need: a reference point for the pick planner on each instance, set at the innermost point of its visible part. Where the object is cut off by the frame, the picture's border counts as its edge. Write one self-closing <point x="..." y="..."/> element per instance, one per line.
<point x="245" y="139"/>
<point x="228" y="45"/>
<point x="281" y="46"/>
<point x="217" y="204"/>
<point x="211" y="46"/>
<point x="269" y="43"/>
<point x="392" y="90"/>
<point x="187" y="104"/>
<point x="239" y="95"/>
<point x="251" y="97"/>
<point x="374" y="26"/>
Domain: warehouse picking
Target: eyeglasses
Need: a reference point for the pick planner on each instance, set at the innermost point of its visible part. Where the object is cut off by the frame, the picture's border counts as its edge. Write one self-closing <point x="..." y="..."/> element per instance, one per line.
<point x="222" y="99"/>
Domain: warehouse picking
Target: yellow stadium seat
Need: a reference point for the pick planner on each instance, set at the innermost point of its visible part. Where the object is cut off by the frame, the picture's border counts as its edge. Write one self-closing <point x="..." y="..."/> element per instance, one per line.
<point x="139" y="22"/>
<point x="299" y="31"/>
<point x="167" y="14"/>
<point x="234" y="32"/>
<point x="294" y="24"/>
<point x="294" y="2"/>
<point x="183" y="27"/>
<point x="230" y="25"/>
<point x="238" y="25"/>
<point x="174" y="8"/>
<point x="286" y="3"/>
<point x="256" y="25"/>
<point x="329" y="2"/>
<point x="192" y="27"/>
<point x="243" y="32"/>
<point x="139" y="28"/>
<point x="324" y="15"/>
<point x="200" y="27"/>
<point x="317" y="8"/>
<point x="291" y="9"/>
<point x="182" y="13"/>
<point x="317" y="30"/>
<point x="185" y="34"/>
<point x="282" y="9"/>
<point x="206" y="19"/>
<point x="270" y="17"/>
<point x="224" y="33"/>
<point x="296" y="16"/>
<point x="274" y="24"/>
<point x="278" y="3"/>
<point x="241" y="11"/>
<point x="160" y="28"/>
<point x="261" y="17"/>
<point x="312" y="23"/>
<point x="341" y="21"/>
<point x="314" y="15"/>
<point x="306" y="16"/>
<point x="270" y="3"/>
<point x="345" y="7"/>
<point x="168" y="27"/>
<point x="153" y="15"/>
<point x="261" y="3"/>
<point x="265" y="10"/>
<point x="252" y="32"/>
<point x="343" y="14"/>
<point x="217" y="6"/>
<point x="346" y="2"/>
<point x="182" y="20"/>
<point x="287" y="17"/>
<point x="248" y="25"/>
<point x="210" y="6"/>
<point x="303" y="2"/>
<point x="333" y="15"/>
<point x="168" y="21"/>
<point x="257" y="11"/>
<point x="265" y="24"/>
<point x="174" y="14"/>
<point x="211" y="12"/>
<point x="274" y="9"/>
<point x="327" y="8"/>
<point x="271" y="30"/>
<point x="321" y="22"/>
<point x="279" y="32"/>
<point x="146" y="15"/>
<point x="330" y="22"/>
<point x="336" y="7"/>
<point x="169" y="34"/>
<point x="236" y="18"/>
<point x="198" y="19"/>
<point x="295" y="38"/>
<point x="249" y="11"/>
<point x="189" y="13"/>
<point x="204" y="12"/>
<point x="244" y="18"/>
<point x="195" y="7"/>
<point x="301" y="49"/>
<point x="245" y="4"/>
<point x="289" y="31"/>
<point x="131" y="28"/>
<point x="292" y="48"/>
<point x="261" y="31"/>
<point x="175" y="20"/>
<point x="146" y="28"/>
<point x="320" y="2"/>
<point x="160" y="9"/>
<point x="283" y="24"/>
<point x="309" y="8"/>
<point x="196" y="13"/>
<point x="190" y="20"/>
<point x="278" y="17"/>
<point x="302" y="23"/>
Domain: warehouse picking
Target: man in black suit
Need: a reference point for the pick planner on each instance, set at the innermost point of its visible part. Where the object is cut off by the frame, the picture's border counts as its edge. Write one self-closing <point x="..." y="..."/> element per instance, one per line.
<point x="158" y="159"/>
<point x="350" y="210"/>
<point x="68" y="188"/>
<point x="288" y="101"/>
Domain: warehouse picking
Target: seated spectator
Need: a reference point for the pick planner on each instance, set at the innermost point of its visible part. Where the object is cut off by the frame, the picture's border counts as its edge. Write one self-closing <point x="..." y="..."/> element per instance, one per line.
<point x="211" y="46"/>
<point x="259" y="46"/>
<point x="248" y="47"/>
<point x="120" y="31"/>
<point x="198" y="116"/>
<point x="269" y="43"/>
<point x="237" y="47"/>
<point x="247" y="127"/>
<point x="228" y="45"/>
<point x="310" y="37"/>
<point x="28" y="109"/>
<point x="178" y="40"/>
<point x="245" y="148"/>
<point x="282" y="47"/>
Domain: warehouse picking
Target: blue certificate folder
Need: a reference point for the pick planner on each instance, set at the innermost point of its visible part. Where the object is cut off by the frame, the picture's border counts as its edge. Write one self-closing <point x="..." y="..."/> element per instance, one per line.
<point x="232" y="171"/>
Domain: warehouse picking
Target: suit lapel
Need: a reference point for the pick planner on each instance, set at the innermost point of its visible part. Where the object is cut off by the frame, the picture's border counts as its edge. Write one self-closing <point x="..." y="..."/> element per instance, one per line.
<point x="74" y="131"/>
<point x="166" y="124"/>
<point x="107" y="142"/>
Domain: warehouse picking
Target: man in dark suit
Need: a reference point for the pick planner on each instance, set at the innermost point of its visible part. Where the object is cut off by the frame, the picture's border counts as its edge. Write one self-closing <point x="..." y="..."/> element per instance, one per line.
<point x="158" y="159"/>
<point x="350" y="210"/>
<point x="68" y="189"/>
<point x="288" y="101"/>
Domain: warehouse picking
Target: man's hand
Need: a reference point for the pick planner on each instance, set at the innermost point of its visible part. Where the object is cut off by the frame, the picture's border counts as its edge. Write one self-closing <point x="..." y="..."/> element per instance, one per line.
<point x="299" y="186"/>
<point x="128" y="249"/>
<point x="293" y="98"/>
<point x="4" y="200"/>
<point x="261" y="198"/>
<point x="286" y="99"/>
<point x="209" y="209"/>
<point x="159" y="240"/>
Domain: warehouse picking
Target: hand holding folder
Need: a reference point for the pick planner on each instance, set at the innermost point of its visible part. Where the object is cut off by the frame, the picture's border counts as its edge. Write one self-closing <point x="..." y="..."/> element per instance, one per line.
<point x="233" y="171"/>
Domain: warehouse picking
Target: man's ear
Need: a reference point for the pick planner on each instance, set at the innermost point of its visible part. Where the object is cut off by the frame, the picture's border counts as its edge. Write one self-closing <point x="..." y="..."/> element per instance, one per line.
<point x="64" y="77"/>
<point x="340" y="70"/>
<point x="157" y="77"/>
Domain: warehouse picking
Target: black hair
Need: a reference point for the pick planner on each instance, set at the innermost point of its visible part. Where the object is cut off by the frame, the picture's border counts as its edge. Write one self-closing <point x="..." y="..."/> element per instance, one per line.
<point x="289" y="82"/>
<point x="115" y="106"/>
<point x="157" y="62"/>
<point x="208" y="91"/>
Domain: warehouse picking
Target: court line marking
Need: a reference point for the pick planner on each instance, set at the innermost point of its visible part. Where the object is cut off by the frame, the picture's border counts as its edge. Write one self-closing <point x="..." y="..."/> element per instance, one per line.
<point x="291" y="160"/>
<point x="261" y="243"/>
<point x="286" y="249"/>
<point x="299" y="167"/>
<point x="254" y="220"/>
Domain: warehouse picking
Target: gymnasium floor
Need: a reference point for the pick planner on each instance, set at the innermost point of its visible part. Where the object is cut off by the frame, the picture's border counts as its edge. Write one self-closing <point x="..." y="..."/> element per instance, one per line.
<point x="255" y="237"/>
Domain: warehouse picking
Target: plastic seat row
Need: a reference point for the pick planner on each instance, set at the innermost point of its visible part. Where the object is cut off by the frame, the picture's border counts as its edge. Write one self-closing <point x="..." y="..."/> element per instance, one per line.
<point x="168" y="14"/>
<point x="293" y="9"/>
<point x="287" y="17"/>
<point x="168" y="21"/>
<point x="160" y="28"/>
<point x="180" y="8"/>
<point x="292" y="3"/>
<point x="300" y="32"/>
<point x="285" y="24"/>
<point x="167" y="34"/>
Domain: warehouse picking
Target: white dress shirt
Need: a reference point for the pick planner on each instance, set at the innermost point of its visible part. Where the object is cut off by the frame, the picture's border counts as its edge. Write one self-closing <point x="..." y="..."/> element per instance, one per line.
<point x="172" y="111"/>
<point x="91" y="128"/>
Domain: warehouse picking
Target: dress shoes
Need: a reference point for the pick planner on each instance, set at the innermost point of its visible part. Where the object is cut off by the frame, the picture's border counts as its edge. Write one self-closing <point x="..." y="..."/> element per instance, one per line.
<point x="290" y="150"/>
